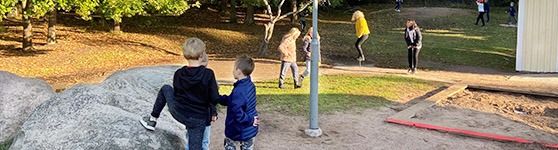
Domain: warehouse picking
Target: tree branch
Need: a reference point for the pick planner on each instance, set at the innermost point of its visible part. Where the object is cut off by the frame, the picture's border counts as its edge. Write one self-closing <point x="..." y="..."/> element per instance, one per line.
<point x="298" y="11"/>
<point x="269" y="12"/>
<point x="279" y="8"/>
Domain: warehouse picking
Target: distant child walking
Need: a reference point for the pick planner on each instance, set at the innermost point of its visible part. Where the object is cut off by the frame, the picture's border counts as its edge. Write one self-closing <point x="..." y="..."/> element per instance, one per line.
<point x="191" y="97"/>
<point x="512" y="12"/>
<point x="307" y="49"/>
<point x="398" y="7"/>
<point x="302" y="20"/>
<point x="288" y="57"/>
<point x="480" y="4"/>
<point x="362" y="32"/>
<point x="487" y="10"/>
<point x="413" y="37"/>
<point x="241" y="125"/>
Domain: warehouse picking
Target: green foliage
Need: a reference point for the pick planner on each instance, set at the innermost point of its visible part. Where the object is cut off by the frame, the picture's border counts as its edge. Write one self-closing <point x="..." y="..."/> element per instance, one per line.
<point x="174" y="7"/>
<point x="257" y="3"/>
<point x="84" y="8"/>
<point x="116" y="9"/>
<point x="5" y="7"/>
<point x="338" y="92"/>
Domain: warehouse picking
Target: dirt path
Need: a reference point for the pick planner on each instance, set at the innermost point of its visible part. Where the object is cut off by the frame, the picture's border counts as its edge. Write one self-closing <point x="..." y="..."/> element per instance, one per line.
<point x="358" y="130"/>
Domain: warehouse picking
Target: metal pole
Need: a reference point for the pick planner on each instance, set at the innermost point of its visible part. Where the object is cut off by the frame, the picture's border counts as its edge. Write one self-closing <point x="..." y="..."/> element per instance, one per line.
<point x="314" y="130"/>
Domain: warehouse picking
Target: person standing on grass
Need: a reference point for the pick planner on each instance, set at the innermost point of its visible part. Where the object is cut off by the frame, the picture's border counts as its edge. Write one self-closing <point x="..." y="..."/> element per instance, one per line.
<point x="288" y="57"/>
<point x="480" y="5"/>
<point x="191" y="97"/>
<point x="307" y="49"/>
<point x="512" y="12"/>
<point x="362" y="32"/>
<point x="413" y="37"/>
<point x="398" y="7"/>
<point x="487" y="10"/>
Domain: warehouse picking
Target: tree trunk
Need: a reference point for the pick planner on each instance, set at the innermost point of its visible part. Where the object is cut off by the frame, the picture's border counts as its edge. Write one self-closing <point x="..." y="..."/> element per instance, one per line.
<point x="295" y="7"/>
<point x="233" y="12"/>
<point x="223" y="10"/>
<point x="249" y="14"/>
<point x="27" y="27"/>
<point x="267" y="37"/>
<point x="51" y="37"/>
<point x="117" y="26"/>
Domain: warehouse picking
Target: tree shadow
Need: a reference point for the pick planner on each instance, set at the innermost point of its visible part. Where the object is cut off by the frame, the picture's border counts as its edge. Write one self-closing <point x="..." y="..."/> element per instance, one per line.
<point x="12" y="51"/>
<point x="298" y="104"/>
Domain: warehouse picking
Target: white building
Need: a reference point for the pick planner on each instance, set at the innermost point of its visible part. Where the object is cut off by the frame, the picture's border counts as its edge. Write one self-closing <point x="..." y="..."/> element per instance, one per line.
<point x="537" y="36"/>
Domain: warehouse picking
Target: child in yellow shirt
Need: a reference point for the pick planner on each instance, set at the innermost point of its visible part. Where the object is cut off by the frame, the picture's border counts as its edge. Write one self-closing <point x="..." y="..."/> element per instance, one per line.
<point x="362" y="32"/>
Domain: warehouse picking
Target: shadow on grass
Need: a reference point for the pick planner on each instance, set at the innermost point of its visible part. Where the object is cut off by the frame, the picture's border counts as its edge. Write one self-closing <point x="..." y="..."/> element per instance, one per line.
<point x="298" y="104"/>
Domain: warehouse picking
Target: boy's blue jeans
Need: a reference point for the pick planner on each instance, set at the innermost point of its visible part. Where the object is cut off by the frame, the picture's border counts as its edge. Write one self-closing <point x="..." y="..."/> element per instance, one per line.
<point x="206" y="134"/>
<point x="195" y="126"/>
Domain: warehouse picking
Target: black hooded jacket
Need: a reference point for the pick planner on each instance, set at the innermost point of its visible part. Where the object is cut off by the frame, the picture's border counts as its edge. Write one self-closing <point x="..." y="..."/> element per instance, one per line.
<point x="196" y="92"/>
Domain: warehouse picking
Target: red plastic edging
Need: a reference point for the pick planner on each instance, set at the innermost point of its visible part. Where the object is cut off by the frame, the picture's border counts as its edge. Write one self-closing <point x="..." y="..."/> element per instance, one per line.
<point x="498" y="137"/>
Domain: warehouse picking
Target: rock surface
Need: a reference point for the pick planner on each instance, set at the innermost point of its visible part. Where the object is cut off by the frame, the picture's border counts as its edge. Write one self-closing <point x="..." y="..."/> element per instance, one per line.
<point x="18" y="98"/>
<point x="104" y="116"/>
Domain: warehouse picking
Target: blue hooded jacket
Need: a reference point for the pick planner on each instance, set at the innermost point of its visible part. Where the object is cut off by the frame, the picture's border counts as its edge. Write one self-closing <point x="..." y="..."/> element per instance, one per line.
<point x="241" y="110"/>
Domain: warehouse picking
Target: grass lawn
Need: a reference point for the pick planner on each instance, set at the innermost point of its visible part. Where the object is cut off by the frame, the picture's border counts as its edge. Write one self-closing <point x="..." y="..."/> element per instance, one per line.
<point x="451" y="40"/>
<point x="339" y="92"/>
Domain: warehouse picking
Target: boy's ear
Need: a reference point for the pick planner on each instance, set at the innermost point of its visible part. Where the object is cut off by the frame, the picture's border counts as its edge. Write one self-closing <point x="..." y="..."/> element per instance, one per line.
<point x="201" y="55"/>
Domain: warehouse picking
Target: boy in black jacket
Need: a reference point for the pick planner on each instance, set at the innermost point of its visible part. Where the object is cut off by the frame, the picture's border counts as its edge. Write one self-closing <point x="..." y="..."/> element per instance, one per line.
<point x="195" y="91"/>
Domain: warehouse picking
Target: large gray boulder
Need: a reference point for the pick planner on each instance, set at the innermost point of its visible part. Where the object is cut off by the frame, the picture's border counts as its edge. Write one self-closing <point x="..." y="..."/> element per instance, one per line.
<point x="18" y="97"/>
<point x="104" y="116"/>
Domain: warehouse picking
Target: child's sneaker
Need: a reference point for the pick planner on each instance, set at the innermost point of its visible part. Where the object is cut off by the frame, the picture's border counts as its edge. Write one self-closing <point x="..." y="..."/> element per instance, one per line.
<point x="148" y="123"/>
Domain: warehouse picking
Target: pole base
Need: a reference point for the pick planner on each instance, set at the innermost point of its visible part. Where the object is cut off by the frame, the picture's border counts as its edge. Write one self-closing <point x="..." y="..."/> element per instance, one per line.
<point x="313" y="132"/>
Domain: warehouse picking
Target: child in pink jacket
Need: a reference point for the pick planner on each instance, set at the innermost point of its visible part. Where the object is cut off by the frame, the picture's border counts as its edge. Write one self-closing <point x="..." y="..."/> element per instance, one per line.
<point x="288" y="57"/>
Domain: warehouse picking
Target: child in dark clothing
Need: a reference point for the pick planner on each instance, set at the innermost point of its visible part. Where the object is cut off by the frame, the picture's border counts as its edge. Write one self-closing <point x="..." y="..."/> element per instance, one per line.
<point x="487" y="10"/>
<point x="241" y="125"/>
<point x="207" y="132"/>
<point x="512" y="13"/>
<point x="307" y="49"/>
<point x="190" y="101"/>
<point x="480" y="4"/>
<point x="413" y="38"/>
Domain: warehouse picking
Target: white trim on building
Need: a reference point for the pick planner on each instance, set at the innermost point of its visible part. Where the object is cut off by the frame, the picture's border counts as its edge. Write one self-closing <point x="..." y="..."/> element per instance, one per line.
<point x="520" y="32"/>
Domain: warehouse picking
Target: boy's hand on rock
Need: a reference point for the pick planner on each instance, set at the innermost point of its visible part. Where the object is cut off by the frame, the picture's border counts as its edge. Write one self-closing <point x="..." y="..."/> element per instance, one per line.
<point x="256" y="121"/>
<point x="214" y="118"/>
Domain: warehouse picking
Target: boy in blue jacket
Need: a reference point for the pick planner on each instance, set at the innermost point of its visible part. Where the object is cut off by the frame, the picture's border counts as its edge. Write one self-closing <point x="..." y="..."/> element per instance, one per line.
<point x="512" y="13"/>
<point x="241" y="124"/>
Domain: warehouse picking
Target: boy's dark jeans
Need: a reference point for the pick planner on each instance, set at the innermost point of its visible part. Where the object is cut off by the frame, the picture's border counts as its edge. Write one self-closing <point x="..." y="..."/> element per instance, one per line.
<point x="195" y="126"/>
<point x="480" y="17"/>
<point x="512" y="17"/>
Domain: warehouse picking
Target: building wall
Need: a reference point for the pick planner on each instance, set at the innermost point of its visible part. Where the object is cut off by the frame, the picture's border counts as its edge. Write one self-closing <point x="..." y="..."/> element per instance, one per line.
<point x="537" y="42"/>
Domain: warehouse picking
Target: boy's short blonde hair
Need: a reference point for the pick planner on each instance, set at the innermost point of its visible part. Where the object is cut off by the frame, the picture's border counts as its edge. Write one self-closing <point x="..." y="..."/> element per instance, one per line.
<point x="193" y="48"/>
<point x="357" y="15"/>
